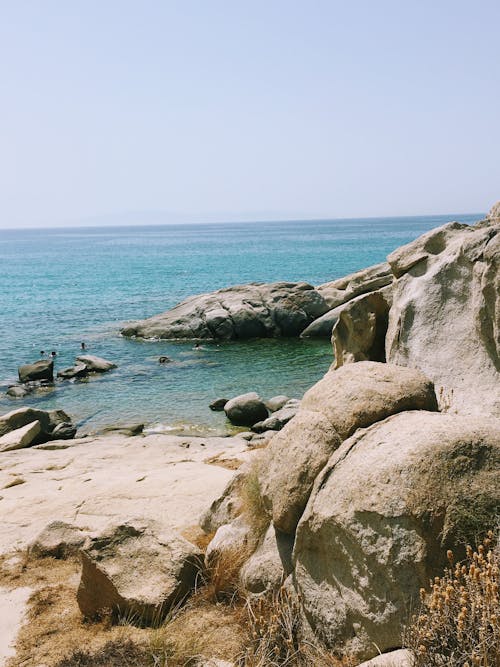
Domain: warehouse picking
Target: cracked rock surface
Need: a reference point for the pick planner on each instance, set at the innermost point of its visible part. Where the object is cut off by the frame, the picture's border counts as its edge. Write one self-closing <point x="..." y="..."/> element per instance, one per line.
<point x="241" y="312"/>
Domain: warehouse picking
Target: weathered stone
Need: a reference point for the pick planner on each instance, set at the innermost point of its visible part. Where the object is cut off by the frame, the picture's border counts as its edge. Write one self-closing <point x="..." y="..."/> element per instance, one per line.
<point x="63" y="431"/>
<point x="136" y="572"/>
<point x="40" y="370"/>
<point x="17" y="391"/>
<point x="244" y="311"/>
<point x="95" y="364"/>
<point x="58" y="540"/>
<point x="354" y="396"/>
<point x="76" y="371"/>
<point x="276" y="403"/>
<point x="129" y="430"/>
<point x="399" y="658"/>
<point x="276" y="421"/>
<point x="361" y="327"/>
<point x="445" y="316"/>
<point x="21" y="437"/>
<point x="269" y="565"/>
<point x="381" y="516"/>
<point x="344" y="289"/>
<point x="245" y="410"/>
<point x="323" y="326"/>
<point x="226" y="507"/>
<point x="234" y="541"/>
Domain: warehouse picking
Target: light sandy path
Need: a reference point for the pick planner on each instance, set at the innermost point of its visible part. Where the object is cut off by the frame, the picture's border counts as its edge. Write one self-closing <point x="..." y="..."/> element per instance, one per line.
<point x="12" y="609"/>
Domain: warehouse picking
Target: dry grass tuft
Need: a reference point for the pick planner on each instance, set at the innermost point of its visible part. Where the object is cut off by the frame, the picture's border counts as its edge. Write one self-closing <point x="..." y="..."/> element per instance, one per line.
<point x="117" y="653"/>
<point x="253" y="507"/>
<point x="224" y="462"/>
<point x="458" y="624"/>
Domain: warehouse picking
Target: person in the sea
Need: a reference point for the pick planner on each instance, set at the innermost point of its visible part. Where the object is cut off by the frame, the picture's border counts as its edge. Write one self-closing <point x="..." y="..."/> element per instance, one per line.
<point x="83" y="346"/>
<point x="53" y="354"/>
<point x="42" y="353"/>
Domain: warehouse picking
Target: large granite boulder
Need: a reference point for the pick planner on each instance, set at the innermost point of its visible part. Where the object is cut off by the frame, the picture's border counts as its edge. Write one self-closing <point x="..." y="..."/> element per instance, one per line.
<point x="246" y="409"/>
<point x="136" y="571"/>
<point x="246" y="311"/>
<point x="40" y="370"/>
<point x="50" y="423"/>
<point x="445" y="316"/>
<point x="367" y="280"/>
<point x="352" y="397"/>
<point x="390" y="502"/>
<point x="361" y="326"/>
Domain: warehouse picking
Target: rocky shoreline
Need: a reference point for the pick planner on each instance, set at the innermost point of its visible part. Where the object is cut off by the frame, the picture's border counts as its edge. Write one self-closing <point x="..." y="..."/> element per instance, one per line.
<point x="347" y="500"/>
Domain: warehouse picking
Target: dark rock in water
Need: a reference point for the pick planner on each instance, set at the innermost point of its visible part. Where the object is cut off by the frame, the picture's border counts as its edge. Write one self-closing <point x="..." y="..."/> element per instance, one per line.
<point x="126" y="429"/>
<point x="218" y="404"/>
<point x="63" y="431"/>
<point x="76" y="371"/>
<point x="40" y="370"/>
<point x="95" y="364"/>
<point x="276" y="403"/>
<point x="277" y="420"/>
<point x="246" y="410"/>
<point x="164" y="360"/>
<point x="17" y="391"/>
<point x="241" y="312"/>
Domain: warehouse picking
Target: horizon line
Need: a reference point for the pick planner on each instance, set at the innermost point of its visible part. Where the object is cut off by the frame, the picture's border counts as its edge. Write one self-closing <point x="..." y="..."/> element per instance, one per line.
<point x="240" y="222"/>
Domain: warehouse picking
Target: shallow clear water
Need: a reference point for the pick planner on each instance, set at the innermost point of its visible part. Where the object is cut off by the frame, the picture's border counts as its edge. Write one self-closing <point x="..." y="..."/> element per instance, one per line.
<point x="61" y="287"/>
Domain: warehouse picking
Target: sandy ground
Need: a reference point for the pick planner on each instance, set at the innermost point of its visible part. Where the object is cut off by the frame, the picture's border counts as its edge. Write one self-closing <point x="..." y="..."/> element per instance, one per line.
<point x="12" y="609"/>
<point x="94" y="481"/>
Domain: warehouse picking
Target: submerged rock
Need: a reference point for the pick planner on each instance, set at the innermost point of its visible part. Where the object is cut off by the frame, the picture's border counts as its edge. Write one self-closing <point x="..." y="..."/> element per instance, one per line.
<point x="255" y="310"/>
<point x="18" y="391"/>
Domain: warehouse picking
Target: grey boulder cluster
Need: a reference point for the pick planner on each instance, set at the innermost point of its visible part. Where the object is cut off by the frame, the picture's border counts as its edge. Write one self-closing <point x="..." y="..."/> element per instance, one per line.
<point x="392" y="458"/>
<point x="263" y="417"/>
<point x="26" y="427"/>
<point x="40" y="374"/>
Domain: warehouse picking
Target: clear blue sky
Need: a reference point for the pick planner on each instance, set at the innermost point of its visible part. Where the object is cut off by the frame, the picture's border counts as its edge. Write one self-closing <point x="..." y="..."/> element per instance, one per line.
<point x="113" y="110"/>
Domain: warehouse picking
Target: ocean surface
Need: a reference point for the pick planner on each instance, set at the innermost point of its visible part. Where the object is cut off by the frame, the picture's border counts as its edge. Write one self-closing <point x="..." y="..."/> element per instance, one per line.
<point x="61" y="287"/>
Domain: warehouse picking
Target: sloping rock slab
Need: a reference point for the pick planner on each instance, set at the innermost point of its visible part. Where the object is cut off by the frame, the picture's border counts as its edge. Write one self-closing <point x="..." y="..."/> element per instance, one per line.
<point x="344" y="289"/>
<point x="256" y="310"/>
<point x="136" y="573"/>
<point x="381" y="516"/>
<point x="21" y="437"/>
<point x="354" y="396"/>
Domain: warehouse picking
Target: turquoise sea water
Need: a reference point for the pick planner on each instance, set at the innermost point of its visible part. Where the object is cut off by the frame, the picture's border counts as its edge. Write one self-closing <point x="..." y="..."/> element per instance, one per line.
<point x="61" y="287"/>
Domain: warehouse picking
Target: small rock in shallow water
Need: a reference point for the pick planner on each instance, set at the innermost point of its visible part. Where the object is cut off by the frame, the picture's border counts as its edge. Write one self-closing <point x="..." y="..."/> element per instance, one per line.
<point x="17" y="391"/>
<point x="246" y="409"/>
<point x="218" y="404"/>
<point x="95" y="364"/>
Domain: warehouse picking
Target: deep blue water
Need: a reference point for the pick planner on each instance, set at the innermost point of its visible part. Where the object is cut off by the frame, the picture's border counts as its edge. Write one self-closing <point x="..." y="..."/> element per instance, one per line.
<point x="61" y="287"/>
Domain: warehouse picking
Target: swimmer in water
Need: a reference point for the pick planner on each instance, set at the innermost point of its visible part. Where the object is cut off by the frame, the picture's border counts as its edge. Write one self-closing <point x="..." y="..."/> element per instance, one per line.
<point x="53" y="354"/>
<point x="42" y="353"/>
<point x="82" y="346"/>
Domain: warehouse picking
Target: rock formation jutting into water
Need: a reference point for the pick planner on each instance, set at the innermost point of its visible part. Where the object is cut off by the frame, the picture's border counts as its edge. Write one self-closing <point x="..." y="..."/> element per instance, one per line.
<point x="386" y="463"/>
